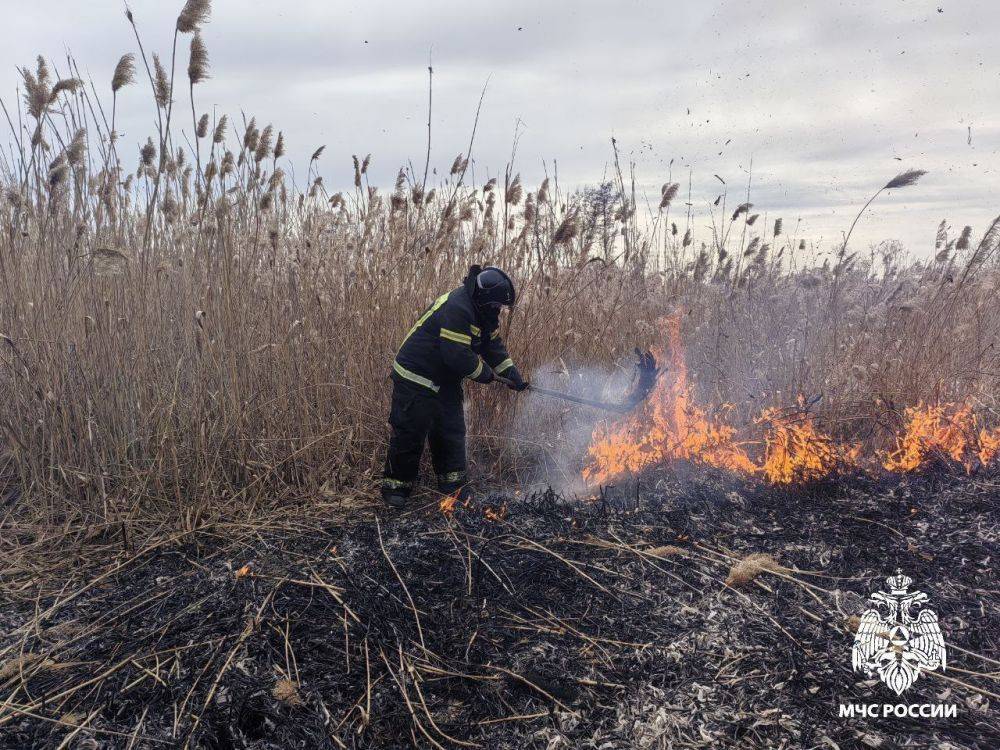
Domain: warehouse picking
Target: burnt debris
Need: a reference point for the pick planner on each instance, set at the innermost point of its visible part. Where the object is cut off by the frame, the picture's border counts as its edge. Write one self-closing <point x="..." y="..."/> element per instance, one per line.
<point x="519" y="622"/>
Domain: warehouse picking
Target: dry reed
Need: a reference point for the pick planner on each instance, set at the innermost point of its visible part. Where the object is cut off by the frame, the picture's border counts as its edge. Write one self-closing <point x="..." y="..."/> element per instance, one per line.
<point x="186" y="340"/>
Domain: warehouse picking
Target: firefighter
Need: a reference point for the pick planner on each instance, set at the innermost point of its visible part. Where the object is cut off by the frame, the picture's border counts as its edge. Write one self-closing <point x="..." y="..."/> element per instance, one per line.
<point x="457" y="337"/>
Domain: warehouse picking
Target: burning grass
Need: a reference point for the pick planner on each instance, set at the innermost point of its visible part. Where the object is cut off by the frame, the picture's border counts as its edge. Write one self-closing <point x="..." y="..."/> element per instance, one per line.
<point x="188" y="334"/>
<point x="781" y="446"/>
<point x="940" y="432"/>
<point x="188" y="337"/>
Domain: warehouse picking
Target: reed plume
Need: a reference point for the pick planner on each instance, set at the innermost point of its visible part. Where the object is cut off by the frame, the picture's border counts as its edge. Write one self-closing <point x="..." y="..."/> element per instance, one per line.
<point x="36" y="89"/>
<point x="124" y="73"/>
<point x="543" y="192"/>
<point x="198" y="64"/>
<point x="567" y="230"/>
<point x="741" y="209"/>
<point x="514" y="191"/>
<point x="905" y="179"/>
<point x="77" y="148"/>
<point x="220" y="130"/>
<point x="250" y="135"/>
<point x="147" y="154"/>
<point x="64" y="85"/>
<point x="963" y="240"/>
<point x="667" y="193"/>
<point x="194" y="14"/>
<point x="58" y="171"/>
<point x="276" y="179"/>
<point x="264" y="144"/>
<point x="161" y="83"/>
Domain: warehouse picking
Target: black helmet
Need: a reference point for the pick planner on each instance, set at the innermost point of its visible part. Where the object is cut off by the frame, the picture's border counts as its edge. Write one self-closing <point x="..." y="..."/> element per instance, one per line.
<point x="493" y="288"/>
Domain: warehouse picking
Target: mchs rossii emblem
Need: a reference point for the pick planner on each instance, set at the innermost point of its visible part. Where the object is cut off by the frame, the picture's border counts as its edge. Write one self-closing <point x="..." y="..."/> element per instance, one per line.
<point x="897" y="639"/>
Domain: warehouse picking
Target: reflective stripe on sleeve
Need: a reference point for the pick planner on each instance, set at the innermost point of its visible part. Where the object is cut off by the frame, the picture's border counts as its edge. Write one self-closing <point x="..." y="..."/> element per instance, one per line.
<point x="461" y="338"/>
<point x="505" y="365"/>
<point x="477" y="372"/>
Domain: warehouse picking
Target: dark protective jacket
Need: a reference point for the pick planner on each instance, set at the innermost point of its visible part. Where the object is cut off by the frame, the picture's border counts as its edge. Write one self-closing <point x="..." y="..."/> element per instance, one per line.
<point x="452" y="340"/>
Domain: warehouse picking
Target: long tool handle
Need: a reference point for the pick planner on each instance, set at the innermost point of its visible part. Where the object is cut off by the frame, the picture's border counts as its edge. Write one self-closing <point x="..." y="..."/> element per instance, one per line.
<point x="617" y="408"/>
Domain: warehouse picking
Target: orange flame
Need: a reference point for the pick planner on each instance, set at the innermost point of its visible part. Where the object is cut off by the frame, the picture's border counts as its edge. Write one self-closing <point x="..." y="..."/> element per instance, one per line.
<point x="668" y="426"/>
<point x="795" y="451"/>
<point x="942" y="430"/>
<point x="447" y="504"/>
<point x="989" y="445"/>
<point x="496" y="515"/>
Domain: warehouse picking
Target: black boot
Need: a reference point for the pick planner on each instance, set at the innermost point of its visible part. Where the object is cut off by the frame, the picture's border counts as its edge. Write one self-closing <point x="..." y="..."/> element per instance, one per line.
<point x="461" y="489"/>
<point x="395" y="499"/>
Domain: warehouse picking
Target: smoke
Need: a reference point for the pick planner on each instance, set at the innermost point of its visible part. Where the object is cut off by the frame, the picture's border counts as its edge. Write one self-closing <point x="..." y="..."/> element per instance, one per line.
<point x="559" y="431"/>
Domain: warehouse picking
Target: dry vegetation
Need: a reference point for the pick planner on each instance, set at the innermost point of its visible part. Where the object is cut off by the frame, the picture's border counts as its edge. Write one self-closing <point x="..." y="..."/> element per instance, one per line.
<point x="195" y="349"/>
<point x="189" y="334"/>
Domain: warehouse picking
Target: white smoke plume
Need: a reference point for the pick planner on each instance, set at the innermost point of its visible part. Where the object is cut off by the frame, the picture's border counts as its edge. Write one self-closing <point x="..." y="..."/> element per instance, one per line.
<point x="567" y="427"/>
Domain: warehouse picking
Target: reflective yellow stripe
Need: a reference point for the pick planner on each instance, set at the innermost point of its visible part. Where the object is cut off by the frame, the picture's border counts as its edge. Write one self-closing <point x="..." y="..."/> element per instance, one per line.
<point x="395" y="484"/>
<point x="495" y="334"/>
<point x="478" y="371"/>
<point x="461" y="338"/>
<point x="476" y="330"/>
<point x="423" y="318"/>
<point x="505" y="365"/>
<point x="412" y="376"/>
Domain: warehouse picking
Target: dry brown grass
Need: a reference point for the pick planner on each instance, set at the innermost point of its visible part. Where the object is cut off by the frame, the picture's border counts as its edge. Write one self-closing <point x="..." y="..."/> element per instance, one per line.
<point x="287" y="692"/>
<point x="750" y="567"/>
<point x="188" y="337"/>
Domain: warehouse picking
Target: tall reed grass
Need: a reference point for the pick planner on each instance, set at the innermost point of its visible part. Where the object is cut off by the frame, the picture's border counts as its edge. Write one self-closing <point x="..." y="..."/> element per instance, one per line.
<point x="190" y="334"/>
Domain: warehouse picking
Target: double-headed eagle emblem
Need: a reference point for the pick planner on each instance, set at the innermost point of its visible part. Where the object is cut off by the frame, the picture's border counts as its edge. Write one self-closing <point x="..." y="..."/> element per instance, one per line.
<point x="895" y="643"/>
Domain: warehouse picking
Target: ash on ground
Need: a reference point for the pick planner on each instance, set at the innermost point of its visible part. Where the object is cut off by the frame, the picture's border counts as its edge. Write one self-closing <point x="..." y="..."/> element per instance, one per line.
<point x="520" y="622"/>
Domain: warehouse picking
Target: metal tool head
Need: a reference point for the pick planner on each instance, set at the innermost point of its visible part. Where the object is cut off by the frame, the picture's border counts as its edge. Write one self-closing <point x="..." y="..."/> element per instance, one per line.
<point x="643" y="380"/>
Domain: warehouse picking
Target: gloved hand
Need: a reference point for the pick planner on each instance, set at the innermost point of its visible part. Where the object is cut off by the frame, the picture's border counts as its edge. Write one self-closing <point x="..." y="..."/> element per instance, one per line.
<point x="514" y="380"/>
<point x="486" y="376"/>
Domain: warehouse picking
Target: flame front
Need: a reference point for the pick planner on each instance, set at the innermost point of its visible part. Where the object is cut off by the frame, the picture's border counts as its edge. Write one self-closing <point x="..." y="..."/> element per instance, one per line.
<point x="943" y="431"/>
<point x="786" y="446"/>
<point x="795" y="451"/>
<point x="667" y="426"/>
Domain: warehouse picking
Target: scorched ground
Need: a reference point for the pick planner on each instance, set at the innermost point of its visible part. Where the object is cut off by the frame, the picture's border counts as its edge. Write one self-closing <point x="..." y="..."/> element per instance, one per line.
<point x="635" y="620"/>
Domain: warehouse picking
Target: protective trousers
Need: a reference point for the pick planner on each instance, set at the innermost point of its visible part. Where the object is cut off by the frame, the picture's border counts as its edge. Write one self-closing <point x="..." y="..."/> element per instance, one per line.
<point x="418" y="414"/>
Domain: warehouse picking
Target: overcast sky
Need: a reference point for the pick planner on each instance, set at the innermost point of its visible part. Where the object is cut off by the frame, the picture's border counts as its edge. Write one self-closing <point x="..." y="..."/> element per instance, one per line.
<point x="829" y="99"/>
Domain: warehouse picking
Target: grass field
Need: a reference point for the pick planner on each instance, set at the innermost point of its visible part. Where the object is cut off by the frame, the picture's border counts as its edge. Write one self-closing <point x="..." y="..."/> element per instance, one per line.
<point x="188" y="334"/>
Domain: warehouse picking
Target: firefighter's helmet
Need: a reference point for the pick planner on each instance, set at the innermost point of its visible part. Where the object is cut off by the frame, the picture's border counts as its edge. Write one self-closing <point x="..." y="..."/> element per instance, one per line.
<point x="493" y="288"/>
